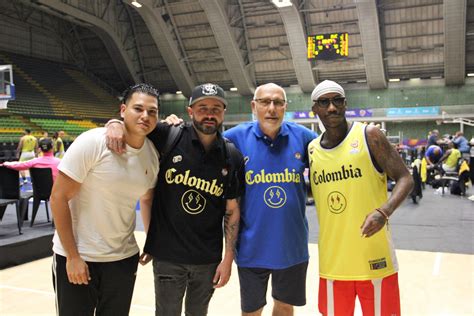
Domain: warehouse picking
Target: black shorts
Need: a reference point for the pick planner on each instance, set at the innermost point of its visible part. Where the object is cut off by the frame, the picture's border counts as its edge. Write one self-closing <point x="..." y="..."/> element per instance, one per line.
<point x="288" y="286"/>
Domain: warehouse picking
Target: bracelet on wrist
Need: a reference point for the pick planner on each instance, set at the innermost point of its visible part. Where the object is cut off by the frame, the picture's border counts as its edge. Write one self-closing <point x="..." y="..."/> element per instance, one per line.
<point x="383" y="214"/>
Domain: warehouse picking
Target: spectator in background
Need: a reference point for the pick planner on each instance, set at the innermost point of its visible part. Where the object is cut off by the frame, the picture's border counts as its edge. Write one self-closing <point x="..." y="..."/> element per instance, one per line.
<point x="433" y="138"/>
<point x="451" y="156"/>
<point x="433" y="155"/>
<point x="58" y="145"/>
<point x="27" y="148"/>
<point x="462" y="143"/>
<point x="47" y="160"/>
<point x="471" y="161"/>
<point x="45" y="135"/>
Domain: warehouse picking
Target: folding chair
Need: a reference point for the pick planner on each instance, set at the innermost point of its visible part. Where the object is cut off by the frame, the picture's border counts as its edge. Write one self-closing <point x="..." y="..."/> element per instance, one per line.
<point x="10" y="194"/>
<point x="42" y="182"/>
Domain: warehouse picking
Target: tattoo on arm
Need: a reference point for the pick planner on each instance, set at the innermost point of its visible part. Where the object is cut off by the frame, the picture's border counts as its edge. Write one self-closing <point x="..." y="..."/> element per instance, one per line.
<point x="385" y="155"/>
<point x="392" y="164"/>
<point x="231" y="229"/>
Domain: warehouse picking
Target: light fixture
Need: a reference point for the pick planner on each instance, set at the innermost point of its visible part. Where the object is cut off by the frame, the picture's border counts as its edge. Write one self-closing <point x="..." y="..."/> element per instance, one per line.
<point x="282" y="3"/>
<point x="179" y="92"/>
<point x="415" y="79"/>
<point x="470" y="74"/>
<point x="233" y="89"/>
<point x="136" y="4"/>
<point x="394" y="80"/>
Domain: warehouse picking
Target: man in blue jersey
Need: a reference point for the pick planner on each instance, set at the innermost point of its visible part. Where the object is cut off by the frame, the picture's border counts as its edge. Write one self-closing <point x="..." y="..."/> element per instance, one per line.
<point x="273" y="237"/>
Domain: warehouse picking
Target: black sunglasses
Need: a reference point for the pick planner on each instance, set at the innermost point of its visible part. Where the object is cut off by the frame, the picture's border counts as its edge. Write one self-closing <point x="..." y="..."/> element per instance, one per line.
<point x="324" y="103"/>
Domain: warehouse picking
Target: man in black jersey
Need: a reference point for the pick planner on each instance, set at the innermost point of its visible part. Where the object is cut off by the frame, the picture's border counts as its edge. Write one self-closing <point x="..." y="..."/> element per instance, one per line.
<point x="195" y="197"/>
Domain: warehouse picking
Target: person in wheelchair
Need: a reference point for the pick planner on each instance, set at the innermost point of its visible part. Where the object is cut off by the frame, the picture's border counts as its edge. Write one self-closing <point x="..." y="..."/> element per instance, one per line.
<point x="449" y="161"/>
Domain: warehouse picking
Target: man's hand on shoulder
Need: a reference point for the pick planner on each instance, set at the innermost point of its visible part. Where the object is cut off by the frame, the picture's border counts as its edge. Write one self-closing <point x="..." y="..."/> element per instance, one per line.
<point x="115" y="136"/>
<point x="172" y="120"/>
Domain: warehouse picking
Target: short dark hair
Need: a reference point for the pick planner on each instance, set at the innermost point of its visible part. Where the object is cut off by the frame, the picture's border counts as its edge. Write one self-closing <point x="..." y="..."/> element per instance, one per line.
<point x="46" y="144"/>
<point x="27" y="130"/>
<point x="142" y="88"/>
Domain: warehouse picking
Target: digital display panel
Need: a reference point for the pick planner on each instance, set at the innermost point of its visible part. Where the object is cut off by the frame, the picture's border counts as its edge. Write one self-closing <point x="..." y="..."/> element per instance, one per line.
<point x="328" y="46"/>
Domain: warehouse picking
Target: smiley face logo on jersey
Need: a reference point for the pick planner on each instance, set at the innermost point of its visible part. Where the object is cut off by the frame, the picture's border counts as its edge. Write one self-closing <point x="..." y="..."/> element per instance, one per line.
<point x="193" y="202"/>
<point x="274" y="197"/>
<point x="336" y="202"/>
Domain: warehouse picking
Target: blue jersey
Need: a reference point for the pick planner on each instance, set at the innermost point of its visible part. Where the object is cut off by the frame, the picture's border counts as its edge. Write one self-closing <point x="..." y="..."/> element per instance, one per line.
<point x="273" y="226"/>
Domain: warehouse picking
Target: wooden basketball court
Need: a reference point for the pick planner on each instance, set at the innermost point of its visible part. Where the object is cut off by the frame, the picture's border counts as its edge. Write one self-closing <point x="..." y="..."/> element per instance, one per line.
<point x="434" y="241"/>
<point x="431" y="283"/>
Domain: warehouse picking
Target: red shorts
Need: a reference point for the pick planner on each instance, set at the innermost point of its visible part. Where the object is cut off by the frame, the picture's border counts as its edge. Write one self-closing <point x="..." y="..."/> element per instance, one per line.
<point x="377" y="297"/>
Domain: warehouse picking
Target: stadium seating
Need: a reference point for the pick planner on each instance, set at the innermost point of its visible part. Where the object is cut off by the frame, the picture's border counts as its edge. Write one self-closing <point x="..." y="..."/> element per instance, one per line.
<point x="50" y="89"/>
<point x="51" y="97"/>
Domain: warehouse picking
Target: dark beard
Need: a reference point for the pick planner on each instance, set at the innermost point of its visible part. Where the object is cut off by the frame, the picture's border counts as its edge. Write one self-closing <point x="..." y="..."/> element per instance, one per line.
<point x="207" y="130"/>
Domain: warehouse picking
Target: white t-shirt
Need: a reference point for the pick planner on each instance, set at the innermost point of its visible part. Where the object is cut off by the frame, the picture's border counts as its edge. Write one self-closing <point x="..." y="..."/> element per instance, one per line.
<point x="103" y="211"/>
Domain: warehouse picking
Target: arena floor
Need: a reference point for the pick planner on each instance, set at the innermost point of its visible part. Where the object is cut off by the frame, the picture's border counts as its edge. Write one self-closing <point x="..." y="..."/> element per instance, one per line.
<point x="435" y="249"/>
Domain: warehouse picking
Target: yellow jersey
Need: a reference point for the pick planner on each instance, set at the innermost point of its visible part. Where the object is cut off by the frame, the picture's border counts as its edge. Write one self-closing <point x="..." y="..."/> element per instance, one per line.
<point x="58" y="147"/>
<point x="29" y="143"/>
<point x="452" y="160"/>
<point x="347" y="187"/>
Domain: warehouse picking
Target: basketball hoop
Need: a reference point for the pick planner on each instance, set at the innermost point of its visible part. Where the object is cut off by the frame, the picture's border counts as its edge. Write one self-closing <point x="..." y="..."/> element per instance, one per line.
<point x="7" y="87"/>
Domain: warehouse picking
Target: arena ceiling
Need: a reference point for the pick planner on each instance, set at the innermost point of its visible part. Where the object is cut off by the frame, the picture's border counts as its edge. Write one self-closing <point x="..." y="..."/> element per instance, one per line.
<point x="176" y="44"/>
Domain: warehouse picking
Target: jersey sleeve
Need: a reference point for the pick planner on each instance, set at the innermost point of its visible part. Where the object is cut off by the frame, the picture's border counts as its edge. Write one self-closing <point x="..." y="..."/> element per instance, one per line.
<point x="236" y="187"/>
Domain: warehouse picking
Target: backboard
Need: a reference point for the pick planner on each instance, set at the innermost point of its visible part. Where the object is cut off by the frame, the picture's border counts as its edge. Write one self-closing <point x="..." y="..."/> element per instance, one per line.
<point x="7" y="86"/>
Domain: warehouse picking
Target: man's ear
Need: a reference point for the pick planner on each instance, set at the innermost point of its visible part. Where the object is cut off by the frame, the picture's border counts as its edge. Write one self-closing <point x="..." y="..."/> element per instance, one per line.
<point x="253" y="105"/>
<point x="122" y="109"/>
<point x="190" y="111"/>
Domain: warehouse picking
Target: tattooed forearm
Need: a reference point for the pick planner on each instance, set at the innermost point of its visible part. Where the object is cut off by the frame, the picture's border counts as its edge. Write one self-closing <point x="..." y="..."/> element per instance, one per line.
<point x="231" y="229"/>
<point x="392" y="164"/>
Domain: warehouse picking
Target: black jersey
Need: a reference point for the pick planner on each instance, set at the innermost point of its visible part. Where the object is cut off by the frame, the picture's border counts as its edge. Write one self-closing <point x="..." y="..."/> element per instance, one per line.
<point x="190" y="199"/>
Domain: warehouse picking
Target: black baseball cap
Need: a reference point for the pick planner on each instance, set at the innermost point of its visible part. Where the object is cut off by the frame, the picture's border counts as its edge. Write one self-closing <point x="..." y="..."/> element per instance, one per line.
<point x="46" y="144"/>
<point x="207" y="91"/>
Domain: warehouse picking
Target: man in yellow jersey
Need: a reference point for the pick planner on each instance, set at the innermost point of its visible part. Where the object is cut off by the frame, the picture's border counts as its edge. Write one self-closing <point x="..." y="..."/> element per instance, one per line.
<point x="26" y="150"/>
<point x="349" y="165"/>
<point x="58" y="145"/>
<point x="450" y="158"/>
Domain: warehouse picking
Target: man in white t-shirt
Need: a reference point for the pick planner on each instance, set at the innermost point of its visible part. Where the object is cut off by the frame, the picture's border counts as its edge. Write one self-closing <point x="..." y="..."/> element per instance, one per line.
<point x="93" y="203"/>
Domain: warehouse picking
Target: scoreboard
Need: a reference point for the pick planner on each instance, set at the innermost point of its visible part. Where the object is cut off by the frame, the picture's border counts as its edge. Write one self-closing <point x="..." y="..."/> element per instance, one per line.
<point x="328" y="46"/>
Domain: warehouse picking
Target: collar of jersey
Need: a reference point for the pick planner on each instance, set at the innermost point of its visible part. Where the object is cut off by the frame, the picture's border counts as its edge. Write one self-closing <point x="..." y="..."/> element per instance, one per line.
<point x="258" y="132"/>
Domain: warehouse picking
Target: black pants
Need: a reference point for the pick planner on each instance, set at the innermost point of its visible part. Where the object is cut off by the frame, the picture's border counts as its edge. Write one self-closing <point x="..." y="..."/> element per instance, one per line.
<point x="109" y="291"/>
<point x="471" y="170"/>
